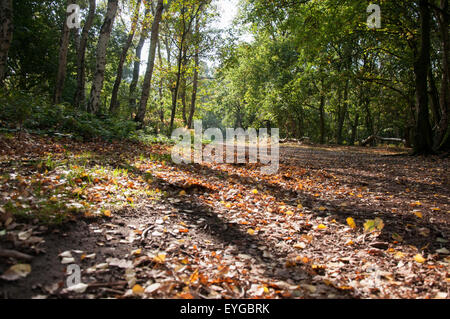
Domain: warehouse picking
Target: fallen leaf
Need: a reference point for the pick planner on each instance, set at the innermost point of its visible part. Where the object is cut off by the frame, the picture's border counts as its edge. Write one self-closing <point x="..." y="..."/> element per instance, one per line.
<point x="351" y="222"/>
<point x="419" y="258"/>
<point x="138" y="290"/>
<point x="152" y="288"/>
<point x="16" y="272"/>
<point x="418" y="214"/>
<point x="78" y="288"/>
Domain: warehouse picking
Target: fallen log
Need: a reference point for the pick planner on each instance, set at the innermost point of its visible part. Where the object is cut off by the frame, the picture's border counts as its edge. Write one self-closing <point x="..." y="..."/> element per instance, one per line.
<point x="372" y="138"/>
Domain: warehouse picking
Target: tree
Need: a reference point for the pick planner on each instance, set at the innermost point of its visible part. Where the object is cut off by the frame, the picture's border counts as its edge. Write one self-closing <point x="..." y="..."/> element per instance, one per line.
<point x="189" y="11"/>
<point x="137" y="62"/>
<point x="80" y="93"/>
<point x="196" y="71"/>
<point x="6" y="34"/>
<point x="134" y="22"/>
<point x="140" y="116"/>
<point x="62" y="61"/>
<point x="97" y="83"/>
<point x="423" y="139"/>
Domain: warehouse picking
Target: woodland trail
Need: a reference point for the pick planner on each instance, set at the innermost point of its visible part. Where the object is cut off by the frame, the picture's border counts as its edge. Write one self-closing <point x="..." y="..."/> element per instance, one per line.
<point x="335" y="222"/>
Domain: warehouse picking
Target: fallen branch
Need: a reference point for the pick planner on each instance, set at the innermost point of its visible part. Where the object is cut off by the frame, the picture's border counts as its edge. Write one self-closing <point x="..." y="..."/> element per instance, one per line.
<point x="15" y="254"/>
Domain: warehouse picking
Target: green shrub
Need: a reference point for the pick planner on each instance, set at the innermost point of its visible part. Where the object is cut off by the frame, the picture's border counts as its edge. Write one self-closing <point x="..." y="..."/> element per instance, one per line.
<point x="25" y="111"/>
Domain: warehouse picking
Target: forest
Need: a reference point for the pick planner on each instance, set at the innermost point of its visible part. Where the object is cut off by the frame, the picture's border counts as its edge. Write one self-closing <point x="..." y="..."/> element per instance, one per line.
<point x="93" y="204"/>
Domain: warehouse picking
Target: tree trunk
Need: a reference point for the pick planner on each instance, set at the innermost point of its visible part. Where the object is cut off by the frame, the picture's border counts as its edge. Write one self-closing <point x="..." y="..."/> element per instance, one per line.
<point x="354" y="129"/>
<point x="442" y="132"/>
<point x="369" y="119"/>
<point x="195" y="80"/>
<point x="6" y="35"/>
<point x="322" y="116"/>
<point x="80" y="92"/>
<point x="177" y="83"/>
<point x="114" y="104"/>
<point x="137" y="62"/>
<point x="99" y="75"/>
<point x="184" y="86"/>
<point x="62" y="59"/>
<point x="423" y="136"/>
<point x="434" y="95"/>
<point x="342" y="112"/>
<point x="140" y="116"/>
<point x="160" y="89"/>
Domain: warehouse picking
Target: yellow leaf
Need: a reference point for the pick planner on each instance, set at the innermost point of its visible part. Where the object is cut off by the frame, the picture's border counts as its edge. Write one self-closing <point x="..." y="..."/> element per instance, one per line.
<point x="300" y="206"/>
<point x="16" y="272"/>
<point x="351" y="222"/>
<point x="107" y="213"/>
<point x="435" y="209"/>
<point x="255" y="191"/>
<point x="160" y="258"/>
<point x="418" y="214"/>
<point x="290" y="213"/>
<point x="349" y="243"/>
<point x="322" y="208"/>
<point x="182" y="193"/>
<point x="251" y="232"/>
<point x="419" y="258"/>
<point x="136" y="252"/>
<point x="138" y="290"/>
<point x="194" y="276"/>
<point x="321" y="226"/>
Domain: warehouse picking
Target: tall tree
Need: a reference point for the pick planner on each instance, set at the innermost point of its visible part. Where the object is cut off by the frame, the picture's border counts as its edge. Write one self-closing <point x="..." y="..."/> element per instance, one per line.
<point x="6" y="34"/>
<point x="140" y="116"/>
<point x="137" y="62"/>
<point x="196" y="71"/>
<point x="134" y="22"/>
<point x="62" y="60"/>
<point x="99" y="75"/>
<point x="80" y="92"/>
<point x="423" y="138"/>
<point x="188" y="14"/>
<point x="442" y="138"/>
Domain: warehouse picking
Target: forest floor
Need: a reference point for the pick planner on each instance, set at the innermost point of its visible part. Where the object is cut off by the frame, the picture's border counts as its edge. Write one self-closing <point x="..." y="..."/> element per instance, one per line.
<point x="335" y="222"/>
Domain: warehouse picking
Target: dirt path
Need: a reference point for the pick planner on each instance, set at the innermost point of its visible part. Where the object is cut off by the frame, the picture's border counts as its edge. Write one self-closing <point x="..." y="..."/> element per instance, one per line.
<point x="226" y="231"/>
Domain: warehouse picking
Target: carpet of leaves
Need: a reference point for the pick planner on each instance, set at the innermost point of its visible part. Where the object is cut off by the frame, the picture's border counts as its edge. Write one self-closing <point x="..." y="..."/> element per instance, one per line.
<point x="333" y="223"/>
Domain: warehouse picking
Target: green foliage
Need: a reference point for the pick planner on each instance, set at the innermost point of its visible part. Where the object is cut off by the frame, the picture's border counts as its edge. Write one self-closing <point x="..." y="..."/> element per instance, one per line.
<point x="31" y="112"/>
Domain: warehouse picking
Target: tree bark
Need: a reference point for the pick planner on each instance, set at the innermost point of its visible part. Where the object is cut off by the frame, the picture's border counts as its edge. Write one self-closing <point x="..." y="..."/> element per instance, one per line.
<point x="140" y="116"/>
<point x="137" y="62"/>
<point x="80" y="92"/>
<point x="322" y="115"/>
<point x="160" y="89"/>
<point x="442" y="138"/>
<point x="423" y="135"/>
<point x="354" y="129"/>
<point x="184" y="86"/>
<point x="177" y="82"/>
<point x="99" y="75"/>
<point x="62" y="59"/>
<point x="114" y="103"/>
<point x="6" y="35"/>
<point x="196" y="71"/>
<point x="342" y="112"/>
